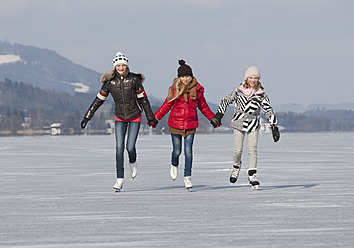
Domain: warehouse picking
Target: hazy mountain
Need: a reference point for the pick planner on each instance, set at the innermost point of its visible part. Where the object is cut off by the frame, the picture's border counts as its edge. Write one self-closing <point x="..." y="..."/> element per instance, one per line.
<point x="45" y="68"/>
<point x="48" y="70"/>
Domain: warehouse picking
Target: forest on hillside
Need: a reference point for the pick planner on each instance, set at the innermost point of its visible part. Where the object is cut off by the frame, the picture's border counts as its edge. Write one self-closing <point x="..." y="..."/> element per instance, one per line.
<point x="26" y="107"/>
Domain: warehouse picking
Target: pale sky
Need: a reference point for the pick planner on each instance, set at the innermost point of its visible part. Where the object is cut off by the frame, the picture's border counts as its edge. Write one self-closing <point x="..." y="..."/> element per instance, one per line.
<point x="303" y="48"/>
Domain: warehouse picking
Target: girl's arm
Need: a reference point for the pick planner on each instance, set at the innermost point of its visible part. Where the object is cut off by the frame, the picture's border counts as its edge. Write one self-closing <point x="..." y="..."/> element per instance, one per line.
<point x="204" y="107"/>
<point x="144" y="102"/>
<point x="227" y="100"/>
<point x="99" y="100"/>
<point x="164" y="109"/>
<point x="268" y="111"/>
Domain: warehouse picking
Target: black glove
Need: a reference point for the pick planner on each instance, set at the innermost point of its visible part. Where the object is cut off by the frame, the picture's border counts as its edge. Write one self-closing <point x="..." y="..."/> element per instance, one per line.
<point x="84" y="122"/>
<point x="276" y="133"/>
<point x="153" y="123"/>
<point x="216" y="120"/>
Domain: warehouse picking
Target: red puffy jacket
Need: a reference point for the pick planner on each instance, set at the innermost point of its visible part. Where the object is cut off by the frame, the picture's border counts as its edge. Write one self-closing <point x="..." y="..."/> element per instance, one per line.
<point x="184" y="114"/>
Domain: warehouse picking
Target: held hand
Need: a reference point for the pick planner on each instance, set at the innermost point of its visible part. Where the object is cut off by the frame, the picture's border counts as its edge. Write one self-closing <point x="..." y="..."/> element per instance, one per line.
<point x="216" y="120"/>
<point x="84" y="122"/>
<point x="153" y="123"/>
<point x="276" y="133"/>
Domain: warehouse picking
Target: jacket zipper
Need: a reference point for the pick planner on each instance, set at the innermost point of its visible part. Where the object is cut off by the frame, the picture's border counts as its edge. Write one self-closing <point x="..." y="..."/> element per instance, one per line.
<point x="122" y="95"/>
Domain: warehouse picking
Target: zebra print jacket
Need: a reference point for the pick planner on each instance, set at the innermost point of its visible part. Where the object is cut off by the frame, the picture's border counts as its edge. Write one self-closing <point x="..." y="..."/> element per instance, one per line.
<point x="247" y="110"/>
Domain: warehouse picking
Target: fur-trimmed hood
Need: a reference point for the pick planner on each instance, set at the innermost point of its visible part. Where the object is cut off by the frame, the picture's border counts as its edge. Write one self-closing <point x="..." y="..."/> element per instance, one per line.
<point x="108" y="76"/>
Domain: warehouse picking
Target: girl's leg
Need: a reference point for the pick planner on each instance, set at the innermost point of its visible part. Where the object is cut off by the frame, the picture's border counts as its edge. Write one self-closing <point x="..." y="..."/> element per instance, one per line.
<point x="177" y="148"/>
<point x="188" y="153"/>
<point x="252" y="148"/>
<point x="120" y="130"/>
<point x="133" y="131"/>
<point x="238" y="147"/>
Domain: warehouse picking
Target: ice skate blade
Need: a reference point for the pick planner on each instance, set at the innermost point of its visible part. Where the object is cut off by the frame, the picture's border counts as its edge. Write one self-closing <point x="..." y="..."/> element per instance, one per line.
<point x="189" y="189"/>
<point x="254" y="187"/>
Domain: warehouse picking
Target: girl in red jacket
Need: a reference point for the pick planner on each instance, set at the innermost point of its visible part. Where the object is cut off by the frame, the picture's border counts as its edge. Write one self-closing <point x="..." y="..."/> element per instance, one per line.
<point x="184" y="97"/>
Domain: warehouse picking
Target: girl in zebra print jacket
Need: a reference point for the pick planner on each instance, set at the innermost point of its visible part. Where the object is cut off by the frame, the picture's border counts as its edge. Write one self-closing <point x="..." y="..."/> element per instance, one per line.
<point x="250" y="99"/>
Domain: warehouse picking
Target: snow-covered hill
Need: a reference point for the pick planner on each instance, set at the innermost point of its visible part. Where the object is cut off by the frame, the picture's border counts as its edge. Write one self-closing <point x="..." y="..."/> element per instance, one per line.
<point x="45" y="68"/>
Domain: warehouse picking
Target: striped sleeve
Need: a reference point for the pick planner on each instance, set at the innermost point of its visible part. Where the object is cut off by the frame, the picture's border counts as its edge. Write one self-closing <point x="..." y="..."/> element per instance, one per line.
<point x="139" y="89"/>
<point x="268" y="111"/>
<point x="227" y="100"/>
<point x="102" y="95"/>
<point x="140" y="93"/>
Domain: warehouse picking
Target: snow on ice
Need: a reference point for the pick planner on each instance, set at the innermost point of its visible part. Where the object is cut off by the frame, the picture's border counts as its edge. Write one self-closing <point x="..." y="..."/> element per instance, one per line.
<point x="56" y="191"/>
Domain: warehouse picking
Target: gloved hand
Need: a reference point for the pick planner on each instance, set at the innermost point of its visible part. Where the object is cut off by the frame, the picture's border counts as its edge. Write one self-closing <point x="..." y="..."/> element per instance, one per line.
<point x="276" y="133"/>
<point x="153" y="123"/>
<point x="84" y="122"/>
<point x="216" y="120"/>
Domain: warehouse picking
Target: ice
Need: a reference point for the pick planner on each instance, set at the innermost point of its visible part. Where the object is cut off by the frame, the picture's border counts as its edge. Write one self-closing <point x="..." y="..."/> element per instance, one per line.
<point x="56" y="191"/>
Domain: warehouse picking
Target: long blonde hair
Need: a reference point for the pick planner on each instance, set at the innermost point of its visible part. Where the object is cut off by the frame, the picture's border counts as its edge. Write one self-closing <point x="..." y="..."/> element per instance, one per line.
<point x="178" y="87"/>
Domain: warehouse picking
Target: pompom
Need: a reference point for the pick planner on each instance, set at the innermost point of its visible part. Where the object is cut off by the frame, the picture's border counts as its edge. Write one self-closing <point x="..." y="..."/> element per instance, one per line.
<point x="181" y="62"/>
<point x="184" y="69"/>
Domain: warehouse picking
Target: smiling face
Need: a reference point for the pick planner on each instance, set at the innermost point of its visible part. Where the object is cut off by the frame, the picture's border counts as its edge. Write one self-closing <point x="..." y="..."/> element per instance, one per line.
<point x="252" y="80"/>
<point x="121" y="68"/>
<point x="186" y="79"/>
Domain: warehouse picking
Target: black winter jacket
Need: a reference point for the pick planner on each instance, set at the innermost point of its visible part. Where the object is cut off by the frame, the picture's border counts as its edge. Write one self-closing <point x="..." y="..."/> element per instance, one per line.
<point x="128" y="94"/>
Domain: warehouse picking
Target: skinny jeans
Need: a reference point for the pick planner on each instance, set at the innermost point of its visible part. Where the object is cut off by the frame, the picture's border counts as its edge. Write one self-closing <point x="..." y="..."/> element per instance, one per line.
<point x="121" y="129"/>
<point x="188" y="151"/>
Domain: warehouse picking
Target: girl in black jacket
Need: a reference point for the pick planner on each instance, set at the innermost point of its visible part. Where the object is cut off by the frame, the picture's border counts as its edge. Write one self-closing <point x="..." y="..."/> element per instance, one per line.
<point x="130" y="99"/>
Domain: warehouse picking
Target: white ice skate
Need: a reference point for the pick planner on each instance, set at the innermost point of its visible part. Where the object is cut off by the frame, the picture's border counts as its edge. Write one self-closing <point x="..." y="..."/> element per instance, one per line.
<point x="174" y="172"/>
<point x="234" y="174"/>
<point x="118" y="185"/>
<point x="133" y="169"/>
<point x="252" y="178"/>
<point x="188" y="183"/>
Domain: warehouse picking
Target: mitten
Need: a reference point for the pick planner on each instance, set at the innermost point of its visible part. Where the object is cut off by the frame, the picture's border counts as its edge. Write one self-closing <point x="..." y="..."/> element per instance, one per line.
<point x="153" y="123"/>
<point x="276" y="133"/>
<point x="84" y="122"/>
<point x="216" y="120"/>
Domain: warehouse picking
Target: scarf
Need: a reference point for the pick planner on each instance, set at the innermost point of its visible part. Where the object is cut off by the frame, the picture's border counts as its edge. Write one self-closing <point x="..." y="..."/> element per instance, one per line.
<point x="248" y="92"/>
<point x="191" y="90"/>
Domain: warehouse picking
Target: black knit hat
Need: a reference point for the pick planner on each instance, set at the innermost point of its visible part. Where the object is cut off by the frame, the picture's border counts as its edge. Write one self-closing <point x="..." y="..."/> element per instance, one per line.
<point x="184" y="70"/>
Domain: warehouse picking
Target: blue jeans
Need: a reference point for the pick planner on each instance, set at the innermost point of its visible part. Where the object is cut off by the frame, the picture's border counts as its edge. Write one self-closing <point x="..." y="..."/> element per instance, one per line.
<point x="188" y="152"/>
<point x="132" y="129"/>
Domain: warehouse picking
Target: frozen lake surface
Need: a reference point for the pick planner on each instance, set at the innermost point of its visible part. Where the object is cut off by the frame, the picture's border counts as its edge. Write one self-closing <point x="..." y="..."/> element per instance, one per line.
<point x="57" y="192"/>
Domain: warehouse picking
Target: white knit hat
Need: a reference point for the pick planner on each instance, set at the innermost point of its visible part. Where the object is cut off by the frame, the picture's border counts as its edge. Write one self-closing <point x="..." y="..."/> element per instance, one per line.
<point x="252" y="71"/>
<point x="120" y="58"/>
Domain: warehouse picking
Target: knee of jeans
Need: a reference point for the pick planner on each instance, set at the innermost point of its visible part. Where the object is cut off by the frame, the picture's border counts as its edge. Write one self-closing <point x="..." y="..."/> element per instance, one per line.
<point x="188" y="153"/>
<point x="119" y="148"/>
<point x="130" y="149"/>
<point x="176" y="152"/>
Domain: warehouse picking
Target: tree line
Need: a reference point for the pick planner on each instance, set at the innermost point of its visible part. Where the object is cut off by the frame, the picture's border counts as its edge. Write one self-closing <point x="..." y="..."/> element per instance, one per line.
<point x="24" y="106"/>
